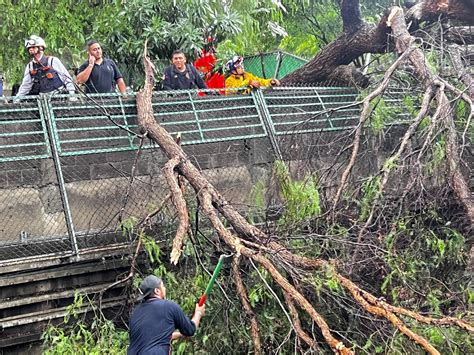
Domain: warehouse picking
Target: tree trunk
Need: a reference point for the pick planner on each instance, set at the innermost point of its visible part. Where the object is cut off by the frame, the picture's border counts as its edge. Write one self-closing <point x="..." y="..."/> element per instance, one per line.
<point x="342" y="52"/>
<point x="331" y="64"/>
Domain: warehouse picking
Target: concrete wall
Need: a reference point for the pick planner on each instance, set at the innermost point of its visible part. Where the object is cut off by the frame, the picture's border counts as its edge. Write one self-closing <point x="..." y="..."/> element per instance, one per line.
<point x="96" y="185"/>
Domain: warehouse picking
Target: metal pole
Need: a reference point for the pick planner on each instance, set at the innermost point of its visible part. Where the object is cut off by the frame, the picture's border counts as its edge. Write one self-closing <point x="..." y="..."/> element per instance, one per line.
<point x="54" y="144"/>
<point x="196" y="116"/>
<point x="324" y="108"/>
<point x="279" y="59"/>
<point x="267" y="121"/>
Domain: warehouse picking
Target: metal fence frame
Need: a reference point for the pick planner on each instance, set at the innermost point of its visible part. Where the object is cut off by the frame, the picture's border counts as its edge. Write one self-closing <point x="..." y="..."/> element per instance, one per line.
<point x="263" y="121"/>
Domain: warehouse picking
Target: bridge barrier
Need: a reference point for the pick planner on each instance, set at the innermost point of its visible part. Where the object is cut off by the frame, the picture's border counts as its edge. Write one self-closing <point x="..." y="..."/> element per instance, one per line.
<point x="66" y="167"/>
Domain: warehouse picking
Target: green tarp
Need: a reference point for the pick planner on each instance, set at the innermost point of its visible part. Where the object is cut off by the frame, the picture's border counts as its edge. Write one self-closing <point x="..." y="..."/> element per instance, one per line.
<point x="273" y="65"/>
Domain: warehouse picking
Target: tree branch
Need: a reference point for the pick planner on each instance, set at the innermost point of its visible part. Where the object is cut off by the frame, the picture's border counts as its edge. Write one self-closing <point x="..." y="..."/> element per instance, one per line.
<point x="242" y="292"/>
<point x="297" y="324"/>
<point x="417" y="59"/>
<point x="351" y="15"/>
<point x="180" y="204"/>
<point x="363" y="117"/>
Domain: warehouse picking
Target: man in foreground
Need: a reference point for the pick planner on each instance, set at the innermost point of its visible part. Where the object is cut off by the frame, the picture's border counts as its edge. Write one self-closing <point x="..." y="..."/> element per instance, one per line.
<point x="99" y="74"/>
<point x="153" y="321"/>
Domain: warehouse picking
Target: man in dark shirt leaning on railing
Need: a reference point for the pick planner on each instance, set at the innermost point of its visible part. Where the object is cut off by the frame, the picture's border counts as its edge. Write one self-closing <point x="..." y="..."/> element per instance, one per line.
<point x="180" y="75"/>
<point x="99" y="74"/>
<point x="154" y="321"/>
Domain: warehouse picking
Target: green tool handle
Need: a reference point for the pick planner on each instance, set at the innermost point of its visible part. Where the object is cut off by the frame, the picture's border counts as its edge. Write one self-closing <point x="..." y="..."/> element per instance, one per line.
<point x="212" y="281"/>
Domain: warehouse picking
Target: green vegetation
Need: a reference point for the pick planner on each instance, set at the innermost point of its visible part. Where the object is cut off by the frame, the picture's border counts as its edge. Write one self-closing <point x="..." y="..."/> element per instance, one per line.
<point x="240" y="26"/>
<point x="300" y="198"/>
<point x="79" y="336"/>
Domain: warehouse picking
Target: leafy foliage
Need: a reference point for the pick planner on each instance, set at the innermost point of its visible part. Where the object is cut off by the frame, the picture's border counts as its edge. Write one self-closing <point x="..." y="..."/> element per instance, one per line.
<point x="301" y="198"/>
<point x="81" y="337"/>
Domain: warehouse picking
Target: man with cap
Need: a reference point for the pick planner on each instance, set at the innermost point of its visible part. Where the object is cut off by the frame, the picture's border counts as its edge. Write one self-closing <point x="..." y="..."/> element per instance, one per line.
<point x="154" y="320"/>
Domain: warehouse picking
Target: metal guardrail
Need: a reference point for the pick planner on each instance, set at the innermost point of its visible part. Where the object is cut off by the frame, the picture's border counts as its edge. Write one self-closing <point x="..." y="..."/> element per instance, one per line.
<point x="307" y="110"/>
<point x="65" y="166"/>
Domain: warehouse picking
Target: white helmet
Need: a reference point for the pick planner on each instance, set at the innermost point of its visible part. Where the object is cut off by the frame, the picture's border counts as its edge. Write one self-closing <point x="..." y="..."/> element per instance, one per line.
<point x="234" y="63"/>
<point x="34" y="41"/>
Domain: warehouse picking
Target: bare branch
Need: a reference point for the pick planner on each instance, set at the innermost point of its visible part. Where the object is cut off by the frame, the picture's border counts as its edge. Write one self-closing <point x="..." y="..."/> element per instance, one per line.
<point x="297" y="324"/>
<point x="417" y="59"/>
<point x="387" y="168"/>
<point x="242" y="292"/>
<point x="180" y="204"/>
<point x="363" y="117"/>
<point x="390" y="316"/>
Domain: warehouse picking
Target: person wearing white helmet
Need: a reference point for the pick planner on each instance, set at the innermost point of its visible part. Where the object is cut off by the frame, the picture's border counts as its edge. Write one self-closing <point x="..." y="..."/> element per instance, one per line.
<point x="239" y="78"/>
<point x="43" y="74"/>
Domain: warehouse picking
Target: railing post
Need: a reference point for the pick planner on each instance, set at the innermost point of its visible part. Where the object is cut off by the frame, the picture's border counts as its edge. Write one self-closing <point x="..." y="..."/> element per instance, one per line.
<point x="279" y="59"/>
<point x="48" y="117"/>
<point x="264" y="114"/>
<point x="196" y="116"/>
<point x="324" y="108"/>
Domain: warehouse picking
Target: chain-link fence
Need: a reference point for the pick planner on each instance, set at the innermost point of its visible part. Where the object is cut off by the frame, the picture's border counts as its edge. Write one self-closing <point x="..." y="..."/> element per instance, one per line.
<point x="73" y="172"/>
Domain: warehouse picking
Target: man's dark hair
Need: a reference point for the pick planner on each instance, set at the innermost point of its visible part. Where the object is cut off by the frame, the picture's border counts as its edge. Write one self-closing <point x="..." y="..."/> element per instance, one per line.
<point x="177" y="51"/>
<point x="91" y="42"/>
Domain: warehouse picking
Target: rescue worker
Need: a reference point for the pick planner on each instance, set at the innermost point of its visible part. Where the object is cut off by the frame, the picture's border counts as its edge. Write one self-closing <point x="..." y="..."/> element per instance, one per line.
<point x="238" y="78"/>
<point x="205" y="64"/>
<point x="154" y="321"/>
<point x="43" y="74"/>
<point x="181" y="76"/>
<point x="99" y="74"/>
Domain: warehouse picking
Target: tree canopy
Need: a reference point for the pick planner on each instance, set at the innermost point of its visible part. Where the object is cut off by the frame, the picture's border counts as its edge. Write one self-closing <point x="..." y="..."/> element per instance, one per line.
<point x="241" y="27"/>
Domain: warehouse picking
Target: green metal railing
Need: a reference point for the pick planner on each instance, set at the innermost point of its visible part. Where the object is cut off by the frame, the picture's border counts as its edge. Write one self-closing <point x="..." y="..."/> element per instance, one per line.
<point x="23" y="132"/>
<point x="307" y="110"/>
<point x="60" y="160"/>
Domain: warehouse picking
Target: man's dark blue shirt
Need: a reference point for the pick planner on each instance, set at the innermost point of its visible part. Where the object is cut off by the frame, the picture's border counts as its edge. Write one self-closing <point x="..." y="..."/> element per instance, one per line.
<point x="103" y="77"/>
<point x="186" y="80"/>
<point x="151" y="325"/>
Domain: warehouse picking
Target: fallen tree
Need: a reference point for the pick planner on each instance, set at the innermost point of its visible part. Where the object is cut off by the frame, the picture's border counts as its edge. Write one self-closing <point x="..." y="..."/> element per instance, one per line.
<point x="287" y="268"/>
<point x="248" y="242"/>
<point x="335" y="272"/>
<point x="334" y="62"/>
